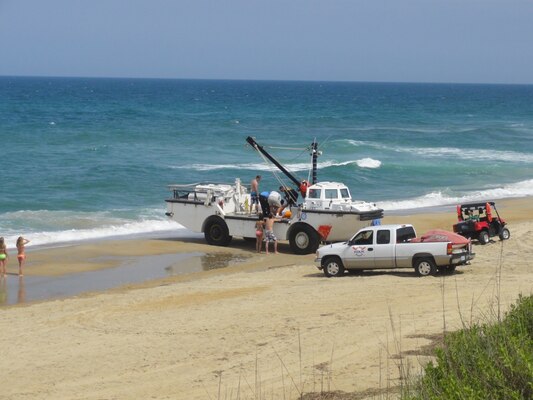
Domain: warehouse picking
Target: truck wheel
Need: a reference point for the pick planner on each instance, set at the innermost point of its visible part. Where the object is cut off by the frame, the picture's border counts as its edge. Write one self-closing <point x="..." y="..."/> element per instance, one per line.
<point x="505" y="234"/>
<point x="216" y="232"/>
<point x="483" y="237"/>
<point x="425" y="267"/>
<point x="303" y="239"/>
<point x="333" y="266"/>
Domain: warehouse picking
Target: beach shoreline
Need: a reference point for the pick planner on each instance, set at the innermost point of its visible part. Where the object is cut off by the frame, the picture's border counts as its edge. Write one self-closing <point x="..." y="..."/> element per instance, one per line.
<point x="158" y="251"/>
<point x="270" y="325"/>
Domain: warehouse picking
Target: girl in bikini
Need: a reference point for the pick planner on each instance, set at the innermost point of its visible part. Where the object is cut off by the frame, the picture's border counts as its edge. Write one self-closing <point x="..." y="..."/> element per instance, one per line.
<point x="21" y="256"/>
<point x="3" y="257"/>
<point x="259" y="233"/>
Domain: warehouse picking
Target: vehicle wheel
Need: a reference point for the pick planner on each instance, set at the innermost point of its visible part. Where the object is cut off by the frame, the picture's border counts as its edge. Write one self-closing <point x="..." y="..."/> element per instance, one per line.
<point x="332" y="267"/>
<point x="483" y="237"/>
<point x="425" y="267"/>
<point x="505" y="234"/>
<point x="216" y="232"/>
<point x="303" y="239"/>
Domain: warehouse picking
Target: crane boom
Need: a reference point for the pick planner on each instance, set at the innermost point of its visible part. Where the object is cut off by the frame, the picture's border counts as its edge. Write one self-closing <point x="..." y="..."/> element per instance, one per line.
<point x="260" y="148"/>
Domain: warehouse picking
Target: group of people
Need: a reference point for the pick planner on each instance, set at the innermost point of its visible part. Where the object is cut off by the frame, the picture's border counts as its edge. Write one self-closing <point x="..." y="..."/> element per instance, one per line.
<point x="270" y="206"/>
<point x="265" y="201"/>
<point x="21" y="256"/>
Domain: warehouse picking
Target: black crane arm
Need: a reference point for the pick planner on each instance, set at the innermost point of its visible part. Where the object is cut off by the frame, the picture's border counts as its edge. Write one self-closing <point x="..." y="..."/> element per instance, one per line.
<point x="260" y="148"/>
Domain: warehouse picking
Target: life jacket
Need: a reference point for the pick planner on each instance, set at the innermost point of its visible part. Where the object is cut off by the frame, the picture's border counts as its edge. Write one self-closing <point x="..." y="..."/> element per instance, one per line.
<point x="489" y="212"/>
<point x="303" y="188"/>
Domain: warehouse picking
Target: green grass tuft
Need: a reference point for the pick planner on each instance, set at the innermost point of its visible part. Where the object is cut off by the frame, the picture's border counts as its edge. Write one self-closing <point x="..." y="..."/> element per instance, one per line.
<point x="489" y="361"/>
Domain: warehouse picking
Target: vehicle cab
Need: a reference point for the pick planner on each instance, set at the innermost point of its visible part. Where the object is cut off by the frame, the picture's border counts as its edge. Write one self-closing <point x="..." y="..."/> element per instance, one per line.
<point x="334" y="196"/>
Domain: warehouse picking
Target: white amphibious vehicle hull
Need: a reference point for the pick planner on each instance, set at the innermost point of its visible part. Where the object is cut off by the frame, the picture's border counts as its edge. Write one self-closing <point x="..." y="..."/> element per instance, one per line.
<point x="222" y="211"/>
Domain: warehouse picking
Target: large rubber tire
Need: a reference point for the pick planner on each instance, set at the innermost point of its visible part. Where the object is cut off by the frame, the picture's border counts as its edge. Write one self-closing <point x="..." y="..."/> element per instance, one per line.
<point x="303" y="239"/>
<point x="333" y="267"/>
<point x="425" y="267"/>
<point x="216" y="232"/>
<point x="504" y="234"/>
<point x="483" y="237"/>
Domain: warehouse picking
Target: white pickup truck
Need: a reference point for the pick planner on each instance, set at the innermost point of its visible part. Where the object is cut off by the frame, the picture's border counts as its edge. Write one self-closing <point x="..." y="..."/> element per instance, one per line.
<point x="395" y="246"/>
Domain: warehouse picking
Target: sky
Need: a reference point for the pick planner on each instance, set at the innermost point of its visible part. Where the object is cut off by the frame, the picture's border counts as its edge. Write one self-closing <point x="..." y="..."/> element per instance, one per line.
<point x="463" y="41"/>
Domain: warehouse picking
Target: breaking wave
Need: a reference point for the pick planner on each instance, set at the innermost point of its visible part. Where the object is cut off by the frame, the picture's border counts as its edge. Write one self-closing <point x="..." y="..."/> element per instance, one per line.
<point x="519" y="189"/>
<point x="455" y="152"/>
<point x="362" y="163"/>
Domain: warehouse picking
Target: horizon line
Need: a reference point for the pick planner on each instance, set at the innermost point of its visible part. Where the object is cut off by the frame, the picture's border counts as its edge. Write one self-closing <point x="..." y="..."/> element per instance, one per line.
<point x="263" y="80"/>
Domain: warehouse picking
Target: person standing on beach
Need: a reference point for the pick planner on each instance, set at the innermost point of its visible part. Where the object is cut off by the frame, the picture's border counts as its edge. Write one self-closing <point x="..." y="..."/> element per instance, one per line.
<point x="269" y="232"/>
<point x="3" y="257"/>
<point x="259" y="233"/>
<point x="21" y="255"/>
<point x="254" y="193"/>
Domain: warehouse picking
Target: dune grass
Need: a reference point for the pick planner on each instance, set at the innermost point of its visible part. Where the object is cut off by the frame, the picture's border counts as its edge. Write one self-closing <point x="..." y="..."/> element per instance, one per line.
<point x="484" y="361"/>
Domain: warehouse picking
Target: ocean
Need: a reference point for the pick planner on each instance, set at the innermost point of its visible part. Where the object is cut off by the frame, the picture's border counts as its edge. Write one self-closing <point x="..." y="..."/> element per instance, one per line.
<point x="85" y="159"/>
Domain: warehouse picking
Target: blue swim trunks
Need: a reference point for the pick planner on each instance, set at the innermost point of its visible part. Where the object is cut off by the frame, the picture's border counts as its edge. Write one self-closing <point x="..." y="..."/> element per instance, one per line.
<point x="254" y="198"/>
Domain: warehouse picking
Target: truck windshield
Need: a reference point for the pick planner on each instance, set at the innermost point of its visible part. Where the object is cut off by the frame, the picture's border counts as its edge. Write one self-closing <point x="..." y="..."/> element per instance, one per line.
<point x="364" y="237"/>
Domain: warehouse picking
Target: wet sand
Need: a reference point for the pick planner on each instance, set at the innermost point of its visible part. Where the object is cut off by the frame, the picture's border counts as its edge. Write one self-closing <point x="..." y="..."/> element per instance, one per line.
<point x="248" y="326"/>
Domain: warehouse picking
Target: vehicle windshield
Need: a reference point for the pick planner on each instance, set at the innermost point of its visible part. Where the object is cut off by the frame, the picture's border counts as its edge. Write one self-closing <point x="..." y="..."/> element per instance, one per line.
<point x="314" y="194"/>
<point x="345" y="193"/>
<point x="331" y="194"/>
<point x="364" y="237"/>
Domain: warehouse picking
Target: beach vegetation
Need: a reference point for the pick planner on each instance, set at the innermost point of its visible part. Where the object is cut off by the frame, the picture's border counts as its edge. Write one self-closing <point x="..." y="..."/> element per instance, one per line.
<point x="484" y="361"/>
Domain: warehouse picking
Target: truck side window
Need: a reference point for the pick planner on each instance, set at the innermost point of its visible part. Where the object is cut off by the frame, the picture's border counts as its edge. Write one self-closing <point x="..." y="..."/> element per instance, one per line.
<point x="383" y="237"/>
<point x="364" y="237"/>
<point x="403" y="235"/>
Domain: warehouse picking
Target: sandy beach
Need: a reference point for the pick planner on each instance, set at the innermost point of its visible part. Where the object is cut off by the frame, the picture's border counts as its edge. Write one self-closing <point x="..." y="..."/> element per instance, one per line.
<point x="242" y="325"/>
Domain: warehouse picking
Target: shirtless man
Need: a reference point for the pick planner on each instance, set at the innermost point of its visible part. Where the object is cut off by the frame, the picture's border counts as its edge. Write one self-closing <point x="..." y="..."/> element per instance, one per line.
<point x="254" y="193"/>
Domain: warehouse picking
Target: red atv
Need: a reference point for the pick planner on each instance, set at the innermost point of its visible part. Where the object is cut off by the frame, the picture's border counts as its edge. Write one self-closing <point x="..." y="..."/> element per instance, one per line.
<point x="477" y="221"/>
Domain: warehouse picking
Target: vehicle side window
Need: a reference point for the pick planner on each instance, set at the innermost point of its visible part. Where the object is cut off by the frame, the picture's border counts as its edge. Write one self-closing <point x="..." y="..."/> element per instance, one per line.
<point x="314" y="193"/>
<point x="365" y="237"/>
<point x="383" y="237"/>
<point x="403" y="235"/>
<point x="345" y="194"/>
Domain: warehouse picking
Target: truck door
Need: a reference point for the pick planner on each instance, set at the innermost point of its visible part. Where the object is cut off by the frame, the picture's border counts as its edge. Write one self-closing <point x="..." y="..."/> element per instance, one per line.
<point x="360" y="251"/>
<point x="383" y="249"/>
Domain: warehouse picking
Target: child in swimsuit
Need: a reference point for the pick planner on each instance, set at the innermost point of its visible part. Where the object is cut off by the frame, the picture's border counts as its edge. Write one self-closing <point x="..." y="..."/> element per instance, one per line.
<point x="3" y="257"/>
<point x="259" y="233"/>
<point x="21" y="256"/>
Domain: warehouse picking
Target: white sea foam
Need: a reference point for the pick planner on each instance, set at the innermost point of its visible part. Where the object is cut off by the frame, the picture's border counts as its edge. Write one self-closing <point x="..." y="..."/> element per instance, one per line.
<point x="75" y="235"/>
<point x="368" y="163"/>
<point x="295" y="167"/>
<point x="456" y="152"/>
<point x="519" y="189"/>
<point x="73" y="229"/>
